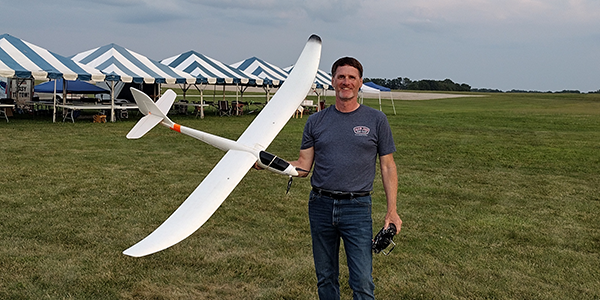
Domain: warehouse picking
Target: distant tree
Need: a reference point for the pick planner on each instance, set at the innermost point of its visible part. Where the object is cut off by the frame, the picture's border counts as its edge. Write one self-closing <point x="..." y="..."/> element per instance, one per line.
<point x="395" y="84"/>
<point x="465" y="87"/>
<point x="405" y="82"/>
<point x="378" y="81"/>
<point x="569" y="92"/>
<point x="486" y="90"/>
<point x="524" y="91"/>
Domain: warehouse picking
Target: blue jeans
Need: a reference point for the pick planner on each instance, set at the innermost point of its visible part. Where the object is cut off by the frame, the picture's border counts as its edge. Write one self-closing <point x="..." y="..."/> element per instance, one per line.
<point x="350" y="220"/>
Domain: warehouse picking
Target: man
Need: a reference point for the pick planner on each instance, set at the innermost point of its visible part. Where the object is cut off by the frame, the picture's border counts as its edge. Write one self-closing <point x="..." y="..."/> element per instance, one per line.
<point x="343" y="142"/>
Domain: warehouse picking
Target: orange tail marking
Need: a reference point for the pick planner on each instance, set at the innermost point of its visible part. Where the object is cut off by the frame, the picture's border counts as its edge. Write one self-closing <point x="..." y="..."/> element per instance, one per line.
<point x="176" y="127"/>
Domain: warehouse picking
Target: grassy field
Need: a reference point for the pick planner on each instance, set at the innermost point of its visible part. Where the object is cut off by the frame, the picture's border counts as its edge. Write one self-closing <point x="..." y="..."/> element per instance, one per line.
<point x="499" y="196"/>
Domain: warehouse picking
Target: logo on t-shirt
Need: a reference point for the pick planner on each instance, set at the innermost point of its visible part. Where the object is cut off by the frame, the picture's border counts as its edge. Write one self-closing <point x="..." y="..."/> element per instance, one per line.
<point x="361" y="130"/>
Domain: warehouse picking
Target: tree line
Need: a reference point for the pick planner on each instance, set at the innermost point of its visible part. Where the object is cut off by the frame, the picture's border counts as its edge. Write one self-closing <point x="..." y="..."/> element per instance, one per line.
<point x="422" y="85"/>
<point x="405" y="83"/>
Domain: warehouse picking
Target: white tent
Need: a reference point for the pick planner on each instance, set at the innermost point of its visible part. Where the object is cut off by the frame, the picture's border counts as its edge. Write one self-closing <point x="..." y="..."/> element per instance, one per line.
<point x="372" y="88"/>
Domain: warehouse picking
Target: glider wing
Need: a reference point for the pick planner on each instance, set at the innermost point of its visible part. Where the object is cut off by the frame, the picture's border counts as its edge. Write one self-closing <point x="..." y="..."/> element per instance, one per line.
<point x="285" y="102"/>
<point x="199" y="206"/>
<point x="230" y="170"/>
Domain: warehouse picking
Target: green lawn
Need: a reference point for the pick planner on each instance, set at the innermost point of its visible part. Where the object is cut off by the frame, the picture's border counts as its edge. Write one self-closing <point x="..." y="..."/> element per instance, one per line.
<point x="499" y="198"/>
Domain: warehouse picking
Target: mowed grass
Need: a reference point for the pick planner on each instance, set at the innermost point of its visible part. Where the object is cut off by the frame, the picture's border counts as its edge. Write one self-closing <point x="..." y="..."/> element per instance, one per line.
<point x="499" y="197"/>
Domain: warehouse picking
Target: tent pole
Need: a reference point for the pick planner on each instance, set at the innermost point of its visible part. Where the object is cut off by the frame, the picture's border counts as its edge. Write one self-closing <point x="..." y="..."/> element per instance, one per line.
<point x="393" y="106"/>
<point x="202" y="103"/>
<point x="242" y="91"/>
<point x="17" y="92"/>
<point x="237" y="100"/>
<point x="65" y="98"/>
<point x="223" y="91"/>
<point x="318" y="100"/>
<point x="54" y="103"/>
<point x="266" y="93"/>
<point x="201" y="98"/>
<point x="321" y="94"/>
<point x="214" y="92"/>
<point x="112" y="101"/>
<point x="8" y="87"/>
<point x="184" y="90"/>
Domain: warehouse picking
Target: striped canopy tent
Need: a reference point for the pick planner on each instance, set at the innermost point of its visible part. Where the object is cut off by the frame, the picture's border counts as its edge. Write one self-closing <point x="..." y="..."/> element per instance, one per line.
<point x="262" y="69"/>
<point x="210" y="71"/>
<point x="272" y="74"/>
<point x="21" y="59"/>
<point x="322" y="80"/>
<point x="121" y="64"/>
<point x="125" y="65"/>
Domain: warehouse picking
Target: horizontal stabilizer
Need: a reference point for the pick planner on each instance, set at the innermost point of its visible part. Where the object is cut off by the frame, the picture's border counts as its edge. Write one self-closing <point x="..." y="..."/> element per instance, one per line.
<point x="143" y="126"/>
<point x="155" y="113"/>
<point x="147" y="106"/>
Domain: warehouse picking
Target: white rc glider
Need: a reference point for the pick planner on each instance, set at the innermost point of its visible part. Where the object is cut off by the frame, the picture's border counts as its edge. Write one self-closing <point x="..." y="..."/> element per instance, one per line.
<point x="240" y="156"/>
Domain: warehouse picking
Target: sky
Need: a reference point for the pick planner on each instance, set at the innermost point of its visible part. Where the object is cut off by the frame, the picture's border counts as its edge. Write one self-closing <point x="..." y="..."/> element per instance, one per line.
<point x="541" y="45"/>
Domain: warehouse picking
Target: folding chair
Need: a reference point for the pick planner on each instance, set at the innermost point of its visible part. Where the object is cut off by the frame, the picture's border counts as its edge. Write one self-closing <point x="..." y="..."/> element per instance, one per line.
<point x="308" y="105"/>
<point x="197" y="108"/>
<point x="224" y="108"/>
<point x="299" y="111"/>
<point x="182" y="108"/>
<point x="238" y="108"/>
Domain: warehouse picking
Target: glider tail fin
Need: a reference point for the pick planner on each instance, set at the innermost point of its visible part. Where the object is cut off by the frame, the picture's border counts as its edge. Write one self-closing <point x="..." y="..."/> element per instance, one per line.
<point x="155" y="113"/>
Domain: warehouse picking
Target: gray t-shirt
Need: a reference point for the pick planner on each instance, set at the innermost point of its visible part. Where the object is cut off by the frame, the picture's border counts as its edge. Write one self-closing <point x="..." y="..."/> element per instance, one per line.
<point x="346" y="147"/>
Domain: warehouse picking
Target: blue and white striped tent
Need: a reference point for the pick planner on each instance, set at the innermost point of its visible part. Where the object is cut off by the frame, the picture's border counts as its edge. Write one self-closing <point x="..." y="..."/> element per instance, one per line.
<point x="21" y="59"/>
<point x="262" y="69"/>
<point x="210" y="70"/>
<point x="125" y="65"/>
<point x="322" y="80"/>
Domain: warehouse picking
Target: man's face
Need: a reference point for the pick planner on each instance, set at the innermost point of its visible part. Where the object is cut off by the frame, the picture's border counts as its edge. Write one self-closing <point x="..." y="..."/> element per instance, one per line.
<point x="347" y="83"/>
